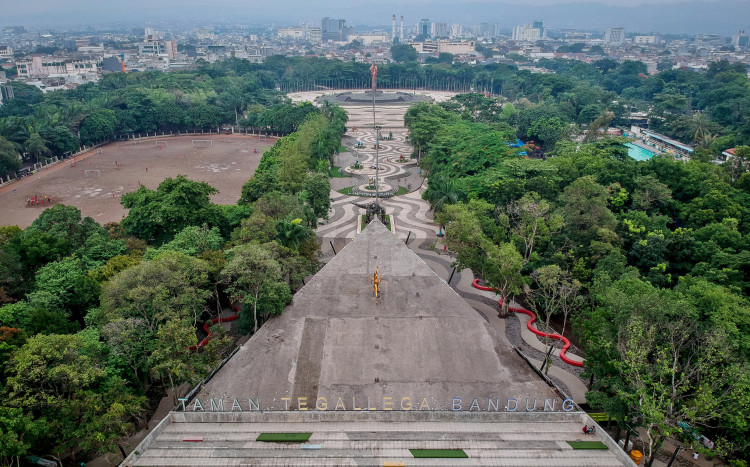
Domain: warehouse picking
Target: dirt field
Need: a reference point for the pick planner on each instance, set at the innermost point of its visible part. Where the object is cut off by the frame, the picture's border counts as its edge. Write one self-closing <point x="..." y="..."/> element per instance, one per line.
<point x="226" y="166"/>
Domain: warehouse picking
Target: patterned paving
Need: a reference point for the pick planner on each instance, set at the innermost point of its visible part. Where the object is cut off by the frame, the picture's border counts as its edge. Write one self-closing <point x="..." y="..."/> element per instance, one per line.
<point x="409" y="212"/>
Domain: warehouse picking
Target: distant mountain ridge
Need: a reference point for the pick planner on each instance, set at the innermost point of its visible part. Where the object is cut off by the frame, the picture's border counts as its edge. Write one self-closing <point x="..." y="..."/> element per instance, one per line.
<point x="724" y="17"/>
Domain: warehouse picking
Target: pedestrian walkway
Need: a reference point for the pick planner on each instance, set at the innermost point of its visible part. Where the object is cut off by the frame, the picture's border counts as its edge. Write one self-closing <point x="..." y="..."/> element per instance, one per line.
<point x="414" y="221"/>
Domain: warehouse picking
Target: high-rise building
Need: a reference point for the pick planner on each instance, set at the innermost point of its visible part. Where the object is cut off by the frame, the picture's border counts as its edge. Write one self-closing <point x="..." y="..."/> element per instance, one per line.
<point x="440" y="30"/>
<point x="158" y="47"/>
<point x="740" y="40"/>
<point x="334" y="29"/>
<point x="424" y="28"/>
<point x="312" y="34"/>
<point x="614" y="35"/>
<point x="456" y="30"/>
<point x="540" y="26"/>
<point x="526" y="33"/>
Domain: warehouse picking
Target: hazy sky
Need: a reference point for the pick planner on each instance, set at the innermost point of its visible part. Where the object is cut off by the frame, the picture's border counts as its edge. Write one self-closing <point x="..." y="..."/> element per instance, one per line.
<point x="665" y="16"/>
<point x="14" y="7"/>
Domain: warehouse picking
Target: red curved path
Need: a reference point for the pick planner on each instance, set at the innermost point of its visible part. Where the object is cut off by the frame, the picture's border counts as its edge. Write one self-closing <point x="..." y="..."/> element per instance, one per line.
<point x="532" y="328"/>
<point x="214" y="321"/>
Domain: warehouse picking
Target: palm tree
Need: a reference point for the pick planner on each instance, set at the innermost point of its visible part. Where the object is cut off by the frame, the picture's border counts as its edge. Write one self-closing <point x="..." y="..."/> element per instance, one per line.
<point x="36" y="146"/>
<point x="291" y="234"/>
<point x="699" y="127"/>
<point x="442" y="191"/>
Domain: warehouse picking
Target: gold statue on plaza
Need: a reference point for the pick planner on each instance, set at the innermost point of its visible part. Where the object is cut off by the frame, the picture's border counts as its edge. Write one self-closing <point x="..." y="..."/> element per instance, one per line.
<point x="376" y="279"/>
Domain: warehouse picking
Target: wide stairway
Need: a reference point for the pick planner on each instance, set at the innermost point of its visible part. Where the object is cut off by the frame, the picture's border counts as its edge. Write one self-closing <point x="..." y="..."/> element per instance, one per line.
<point x="381" y="438"/>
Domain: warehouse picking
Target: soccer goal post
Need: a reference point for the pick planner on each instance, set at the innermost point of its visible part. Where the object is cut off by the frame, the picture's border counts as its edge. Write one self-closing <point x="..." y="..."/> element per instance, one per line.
<point x="98" y="151"/>
<point x="91" y="173"/>
<point x="203" y="143"/>
<point x="161" y="144"/>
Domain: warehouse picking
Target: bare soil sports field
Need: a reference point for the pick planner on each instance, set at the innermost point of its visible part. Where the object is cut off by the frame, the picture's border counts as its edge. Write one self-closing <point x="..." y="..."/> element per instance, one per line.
<point x="226" y="166"/>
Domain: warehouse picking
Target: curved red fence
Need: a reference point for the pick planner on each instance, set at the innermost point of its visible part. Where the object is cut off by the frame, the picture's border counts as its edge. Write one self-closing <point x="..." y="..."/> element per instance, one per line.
<point x="532" y="328"/>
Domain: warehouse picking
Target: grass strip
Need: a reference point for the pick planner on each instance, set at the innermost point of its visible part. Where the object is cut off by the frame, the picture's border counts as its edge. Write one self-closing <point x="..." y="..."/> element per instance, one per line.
<point x="346" y="191"/>
<point x="284" y="437"/>
<point x="387" y="221"/>
<point x="337" y="173"/>
<point x="438" y="453"/>
<point x="588" y="445"/>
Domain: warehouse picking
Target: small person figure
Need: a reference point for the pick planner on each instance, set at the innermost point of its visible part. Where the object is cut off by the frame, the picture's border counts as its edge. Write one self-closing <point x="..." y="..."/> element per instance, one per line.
<point x="146" y="169"/>
<point x="255" y="150"/>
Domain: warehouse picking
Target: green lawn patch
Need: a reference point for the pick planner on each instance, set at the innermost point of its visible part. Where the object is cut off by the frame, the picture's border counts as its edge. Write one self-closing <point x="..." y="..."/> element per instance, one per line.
<point x="346" y="191"/>
<point x="335" y="172"/>
<point x="588" y="445"/>
<point x="387" y="221"/>
<point x="402" y="191"/>
<point x="438" y="453"/>
<point x="284" y="437"/>
<point x="599" y="416"/>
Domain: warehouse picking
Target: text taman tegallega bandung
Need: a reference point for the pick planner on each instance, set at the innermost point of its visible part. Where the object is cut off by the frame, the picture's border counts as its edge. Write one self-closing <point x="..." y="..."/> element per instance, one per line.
<point x="526" y="404"/>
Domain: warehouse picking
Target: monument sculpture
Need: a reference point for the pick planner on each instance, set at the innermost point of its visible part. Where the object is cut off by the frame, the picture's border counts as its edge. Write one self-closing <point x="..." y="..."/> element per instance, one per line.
<point x="376" y="279"/>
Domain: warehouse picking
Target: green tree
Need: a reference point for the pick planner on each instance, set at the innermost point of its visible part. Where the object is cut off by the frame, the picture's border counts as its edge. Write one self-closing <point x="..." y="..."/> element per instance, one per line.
<point x="9" y="161"/>
<point x="251" y="269"/>
<point x="441" y="192"/>
<point x="172" y="359"/>
<point x="17" y="430"/>
<point x="503" y="272"/>
<point x="157" y="216"/>
<point x="553" y="290"/>
<point x="131" y="342"/>
<point x="98" y="127"/>
<point x="191" y="241"/>
<point x="61" y="380"/>
<point x="36" y="146"/>
<point x="532" y="221"/>
<point x="317" y="195"/>
<point x="585" y="207"/>
<point x="402" y="53"/>
<point x="548" y="131"/>
<point x="655" y="360"/>
<point x="292" y="233"/>
<point x="650" y="193"/>
<point x="172" y="286"/>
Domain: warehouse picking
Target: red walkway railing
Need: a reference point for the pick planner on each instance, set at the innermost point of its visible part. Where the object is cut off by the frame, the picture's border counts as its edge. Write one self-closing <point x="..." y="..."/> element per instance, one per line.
<point x="214" y="321"/>
<point x="532" y="328"/>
